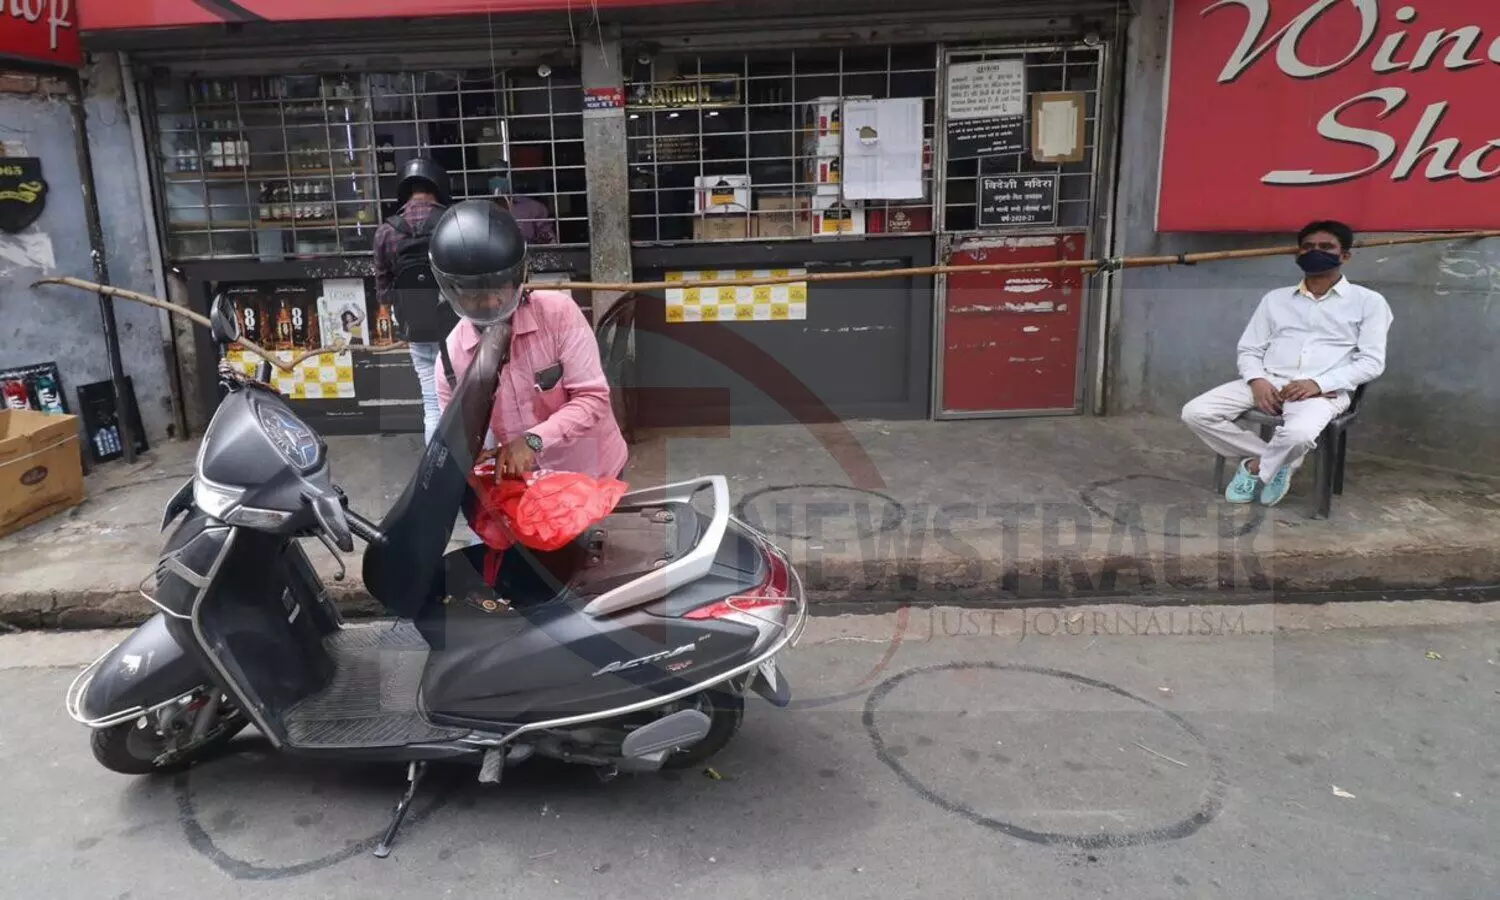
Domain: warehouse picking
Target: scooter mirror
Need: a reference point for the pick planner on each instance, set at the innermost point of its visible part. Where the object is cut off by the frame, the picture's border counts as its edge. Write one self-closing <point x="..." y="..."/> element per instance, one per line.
<point x="225" y="325"/>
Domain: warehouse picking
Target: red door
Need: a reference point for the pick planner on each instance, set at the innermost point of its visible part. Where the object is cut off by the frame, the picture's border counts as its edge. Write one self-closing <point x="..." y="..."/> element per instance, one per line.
<point x="1011" y="339"/>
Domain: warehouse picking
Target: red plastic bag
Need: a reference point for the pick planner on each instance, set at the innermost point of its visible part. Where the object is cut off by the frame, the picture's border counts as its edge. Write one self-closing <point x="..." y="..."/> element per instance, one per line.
<point x="544" y="510"/>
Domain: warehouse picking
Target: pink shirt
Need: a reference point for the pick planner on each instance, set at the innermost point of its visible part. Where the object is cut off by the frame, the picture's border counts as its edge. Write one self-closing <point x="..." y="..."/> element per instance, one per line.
<point x="574" y="418"/>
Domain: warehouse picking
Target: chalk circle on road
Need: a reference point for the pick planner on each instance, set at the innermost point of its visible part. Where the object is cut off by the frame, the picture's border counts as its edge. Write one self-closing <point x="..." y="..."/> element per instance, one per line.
<point x="293" y="817"/>
<point x="888" y="517"/>
<point x="1196" y="789"/>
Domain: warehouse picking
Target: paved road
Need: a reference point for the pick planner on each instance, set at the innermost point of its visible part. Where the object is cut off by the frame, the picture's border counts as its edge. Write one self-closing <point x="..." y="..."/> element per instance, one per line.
<point x="1052" y="754"/>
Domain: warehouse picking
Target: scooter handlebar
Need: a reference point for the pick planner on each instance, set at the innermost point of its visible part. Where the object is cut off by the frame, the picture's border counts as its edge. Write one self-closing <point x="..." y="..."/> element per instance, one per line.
<point x="364" y="529"/>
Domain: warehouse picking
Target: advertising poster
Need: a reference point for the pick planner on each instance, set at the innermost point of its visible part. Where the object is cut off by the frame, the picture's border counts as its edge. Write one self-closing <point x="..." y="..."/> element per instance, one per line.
<point x="758" y="303"/>
<point x="37" y="387"/>
<point x="290" y="319"/>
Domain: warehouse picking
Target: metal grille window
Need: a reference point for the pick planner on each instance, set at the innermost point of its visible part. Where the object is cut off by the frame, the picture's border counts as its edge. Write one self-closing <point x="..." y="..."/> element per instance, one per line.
<point x="748" y="146"/>
<point x="278" y="167"/>
<point x="1059" y="75"/>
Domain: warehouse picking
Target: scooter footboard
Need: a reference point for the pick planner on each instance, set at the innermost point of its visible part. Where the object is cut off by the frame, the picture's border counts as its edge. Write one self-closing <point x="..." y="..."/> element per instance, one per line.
<point x="144" y="672"/>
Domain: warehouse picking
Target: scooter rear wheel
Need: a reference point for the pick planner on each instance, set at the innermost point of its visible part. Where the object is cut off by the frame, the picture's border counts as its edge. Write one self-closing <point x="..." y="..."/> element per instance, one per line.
<point x="726" y="712"/>
<point x="132" y="750"/>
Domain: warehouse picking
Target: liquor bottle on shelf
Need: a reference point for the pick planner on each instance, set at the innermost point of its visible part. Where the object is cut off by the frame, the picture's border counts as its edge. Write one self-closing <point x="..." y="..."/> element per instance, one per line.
<point x="263" y="202"/>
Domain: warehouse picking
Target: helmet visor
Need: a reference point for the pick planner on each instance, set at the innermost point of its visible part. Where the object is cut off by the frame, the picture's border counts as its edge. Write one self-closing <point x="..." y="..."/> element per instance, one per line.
<point x="483" y="299"/>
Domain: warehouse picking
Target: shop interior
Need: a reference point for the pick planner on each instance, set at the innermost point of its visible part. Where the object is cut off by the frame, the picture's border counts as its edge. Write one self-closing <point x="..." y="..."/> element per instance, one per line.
<point x="302" y="166"/>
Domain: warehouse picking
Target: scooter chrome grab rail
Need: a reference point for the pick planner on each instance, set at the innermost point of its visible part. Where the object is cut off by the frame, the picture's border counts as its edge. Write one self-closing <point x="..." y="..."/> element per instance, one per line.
<point x="692" y="566"/>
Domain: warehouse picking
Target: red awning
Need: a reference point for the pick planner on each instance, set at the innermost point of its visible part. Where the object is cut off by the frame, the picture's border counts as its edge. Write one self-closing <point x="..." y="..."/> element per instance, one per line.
<point x="103" y="15"/>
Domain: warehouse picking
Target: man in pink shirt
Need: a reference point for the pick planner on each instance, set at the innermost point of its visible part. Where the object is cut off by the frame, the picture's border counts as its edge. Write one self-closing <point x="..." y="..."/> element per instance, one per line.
<point x="552" y="406"/>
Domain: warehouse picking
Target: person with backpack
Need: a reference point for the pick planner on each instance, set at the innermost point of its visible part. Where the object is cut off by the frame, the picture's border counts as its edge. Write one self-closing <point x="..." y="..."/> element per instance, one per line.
<point x="404" y="280"/>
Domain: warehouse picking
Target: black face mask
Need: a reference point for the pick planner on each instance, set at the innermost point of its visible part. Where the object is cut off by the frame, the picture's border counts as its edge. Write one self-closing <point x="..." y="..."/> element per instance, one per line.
<point x="1316" y="262"/>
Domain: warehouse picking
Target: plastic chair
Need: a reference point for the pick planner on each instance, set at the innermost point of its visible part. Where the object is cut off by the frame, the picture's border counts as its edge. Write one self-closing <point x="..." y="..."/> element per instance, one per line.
<point x="1333" y="445"/>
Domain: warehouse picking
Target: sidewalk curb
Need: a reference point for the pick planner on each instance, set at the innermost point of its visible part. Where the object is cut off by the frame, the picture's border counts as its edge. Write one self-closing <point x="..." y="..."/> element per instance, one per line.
<point x="856" y="585"/>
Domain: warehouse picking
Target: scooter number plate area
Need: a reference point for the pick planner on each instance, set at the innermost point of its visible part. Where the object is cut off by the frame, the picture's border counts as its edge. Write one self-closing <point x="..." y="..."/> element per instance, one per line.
<point x="769" y="673"/>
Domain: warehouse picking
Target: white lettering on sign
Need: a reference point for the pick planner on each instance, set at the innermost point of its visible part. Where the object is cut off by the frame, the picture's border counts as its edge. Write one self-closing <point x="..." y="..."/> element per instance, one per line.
<point x="1445" y="157"/>
<point x="58" y="13"/>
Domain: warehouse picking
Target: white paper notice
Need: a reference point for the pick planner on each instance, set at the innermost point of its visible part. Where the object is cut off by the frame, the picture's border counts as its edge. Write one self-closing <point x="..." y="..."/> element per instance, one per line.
<point x="883" y="149"/>
<point x="1058" y="129"/>
<point x="986" y="90"/>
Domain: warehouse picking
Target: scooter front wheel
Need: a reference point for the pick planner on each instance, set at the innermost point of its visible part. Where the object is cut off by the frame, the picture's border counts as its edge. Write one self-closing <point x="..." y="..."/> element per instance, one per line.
<point x="134" y="749"/>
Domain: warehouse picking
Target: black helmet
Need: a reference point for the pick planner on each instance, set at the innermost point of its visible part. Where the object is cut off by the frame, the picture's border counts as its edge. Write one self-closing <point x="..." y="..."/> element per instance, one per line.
<point x="424" y="173"/>
<point x="478" y="257"/>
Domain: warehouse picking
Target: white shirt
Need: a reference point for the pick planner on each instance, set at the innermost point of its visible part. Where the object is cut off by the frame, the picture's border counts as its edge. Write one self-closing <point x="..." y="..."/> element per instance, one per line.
<point x="1337" y="341"/>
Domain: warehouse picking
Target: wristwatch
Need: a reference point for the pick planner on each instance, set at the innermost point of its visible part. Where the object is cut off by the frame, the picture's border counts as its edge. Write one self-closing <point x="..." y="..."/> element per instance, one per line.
<point x="534" y="442"/>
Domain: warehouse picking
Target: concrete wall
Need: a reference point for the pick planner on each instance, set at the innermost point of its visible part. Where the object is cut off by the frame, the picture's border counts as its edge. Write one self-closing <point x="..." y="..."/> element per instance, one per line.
<point x="1175" y="328"/>
<point x="63" y="324"/>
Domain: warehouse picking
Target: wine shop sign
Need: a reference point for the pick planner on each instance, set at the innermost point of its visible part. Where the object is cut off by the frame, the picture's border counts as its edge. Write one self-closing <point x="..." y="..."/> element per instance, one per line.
<point x="1378" y="112"/>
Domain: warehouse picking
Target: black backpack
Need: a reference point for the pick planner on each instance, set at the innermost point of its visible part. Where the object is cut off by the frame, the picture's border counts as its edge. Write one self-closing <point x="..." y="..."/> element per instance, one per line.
<point x="420" y="309"/>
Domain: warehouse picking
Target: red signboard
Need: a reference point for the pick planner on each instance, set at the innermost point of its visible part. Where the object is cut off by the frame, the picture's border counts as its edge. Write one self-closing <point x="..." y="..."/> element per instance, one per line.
<point x="1377" y="112"/>
<point x="40" y="31"/>
<point x="105" y="15"/>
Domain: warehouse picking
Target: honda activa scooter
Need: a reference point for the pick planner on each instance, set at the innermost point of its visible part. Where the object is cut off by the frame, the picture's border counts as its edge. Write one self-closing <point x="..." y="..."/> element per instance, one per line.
<point x="630" y="650"/>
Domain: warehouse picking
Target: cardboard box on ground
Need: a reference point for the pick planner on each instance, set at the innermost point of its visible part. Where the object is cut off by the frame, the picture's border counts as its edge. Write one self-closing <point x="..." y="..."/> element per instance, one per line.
<point x="41" y="467"/>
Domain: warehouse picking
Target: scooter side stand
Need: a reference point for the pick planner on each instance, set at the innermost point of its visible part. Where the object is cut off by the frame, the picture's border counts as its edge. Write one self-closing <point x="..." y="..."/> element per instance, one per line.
<point x="414" y="773"/>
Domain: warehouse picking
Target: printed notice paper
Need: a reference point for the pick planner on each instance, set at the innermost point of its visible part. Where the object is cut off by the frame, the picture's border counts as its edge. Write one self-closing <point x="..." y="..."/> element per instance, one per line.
<point x="991" y="89"/>
<point x="883" y="149"/>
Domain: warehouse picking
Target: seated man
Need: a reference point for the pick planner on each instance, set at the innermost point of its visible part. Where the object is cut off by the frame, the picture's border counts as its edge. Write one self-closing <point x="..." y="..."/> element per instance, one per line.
<point x="1303" y="353"/>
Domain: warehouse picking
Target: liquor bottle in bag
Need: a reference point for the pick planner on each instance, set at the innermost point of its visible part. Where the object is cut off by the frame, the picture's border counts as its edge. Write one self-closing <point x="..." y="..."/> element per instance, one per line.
<point x="16" y="395"/>
<point x="284" y="327"/>
<point x="48" y="396"/>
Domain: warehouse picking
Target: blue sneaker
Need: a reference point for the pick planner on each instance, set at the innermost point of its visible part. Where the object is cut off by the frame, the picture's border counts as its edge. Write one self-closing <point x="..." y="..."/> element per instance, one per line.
<point x="1275" y="489"/>
<point x="1243" y="487"/>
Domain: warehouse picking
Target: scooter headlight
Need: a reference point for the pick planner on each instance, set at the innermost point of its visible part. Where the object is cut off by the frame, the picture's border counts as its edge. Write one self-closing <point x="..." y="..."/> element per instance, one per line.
<point x="214" y="500"/>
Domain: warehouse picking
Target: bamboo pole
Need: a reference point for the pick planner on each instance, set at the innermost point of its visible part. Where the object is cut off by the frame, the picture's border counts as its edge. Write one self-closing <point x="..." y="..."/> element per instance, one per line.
<point x="1128" y="262"/>
<point x="339" y="345"/>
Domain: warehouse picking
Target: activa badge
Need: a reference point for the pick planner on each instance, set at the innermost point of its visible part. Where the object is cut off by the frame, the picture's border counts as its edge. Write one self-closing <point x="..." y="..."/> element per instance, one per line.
<point x="23" y="192"/>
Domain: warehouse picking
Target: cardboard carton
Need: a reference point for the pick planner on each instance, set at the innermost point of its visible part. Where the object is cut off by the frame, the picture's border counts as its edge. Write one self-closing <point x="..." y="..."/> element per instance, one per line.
<point x="831" y="215"/>
<point x="721" y="194"/>
<point x="902" y="219"/>
<point x="823" y="116"/>
<point x="783" y="217"/>
<point x="41" y="467"/>
<point x="721" y="228"/>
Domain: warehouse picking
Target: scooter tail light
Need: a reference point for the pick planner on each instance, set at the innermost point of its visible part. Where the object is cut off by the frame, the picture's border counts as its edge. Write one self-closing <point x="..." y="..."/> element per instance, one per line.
<point x="771" y="593"/>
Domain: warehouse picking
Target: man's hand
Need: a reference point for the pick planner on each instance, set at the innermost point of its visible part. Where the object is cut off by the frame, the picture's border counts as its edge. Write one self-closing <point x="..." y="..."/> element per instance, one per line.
<point x="1267" y="400"/>
<point x="1301" y="390"/>
<point x="516" y="459"/>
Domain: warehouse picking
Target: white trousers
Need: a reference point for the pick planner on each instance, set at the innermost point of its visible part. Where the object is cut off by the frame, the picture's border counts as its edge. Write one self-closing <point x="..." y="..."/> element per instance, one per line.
<point x="1211" y="417"/>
